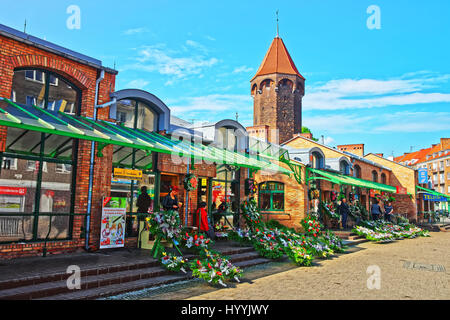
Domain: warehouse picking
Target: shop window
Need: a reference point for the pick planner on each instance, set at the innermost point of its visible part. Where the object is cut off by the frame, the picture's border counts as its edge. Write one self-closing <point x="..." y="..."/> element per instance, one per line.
<point x="318" y="162"/>
<point x="383" y="178"/>
<point x="374" y="176"/>
<point x="344" y="167"/>
<point x="357" y="171"/>
<point x="31" y="88"/>
<point x="271" y="196"/>
<point x="136" y="114"/>
<point x="36" y="200"/>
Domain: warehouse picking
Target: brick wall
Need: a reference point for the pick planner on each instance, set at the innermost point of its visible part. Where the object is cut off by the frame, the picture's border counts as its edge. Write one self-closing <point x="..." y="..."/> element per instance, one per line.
<point x="295" y="199"/>
<point x="404" y="177"/>
<point x="279" y="106"/>
<point x="15" y="54"/>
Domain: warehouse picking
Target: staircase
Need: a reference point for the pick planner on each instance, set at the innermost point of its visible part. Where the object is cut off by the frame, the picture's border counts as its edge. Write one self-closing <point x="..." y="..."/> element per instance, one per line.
<point x="113" y="279"/>
<point x="350" y="238"/>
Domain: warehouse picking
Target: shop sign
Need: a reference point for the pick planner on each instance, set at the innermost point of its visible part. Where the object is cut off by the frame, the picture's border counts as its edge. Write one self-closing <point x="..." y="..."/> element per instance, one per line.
<point x="401" y="190"/>
<point x="130" y="174"/>
<point x="373" y="193"/>
<point x="13" y="191"/>
<point x="112" y="233"/>
<point x="434" y="198"/>
<point x="423" y="175"/>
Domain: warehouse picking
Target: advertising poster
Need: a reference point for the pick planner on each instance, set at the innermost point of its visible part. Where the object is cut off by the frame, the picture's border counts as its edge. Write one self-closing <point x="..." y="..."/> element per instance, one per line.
<point x="112" y="234"/>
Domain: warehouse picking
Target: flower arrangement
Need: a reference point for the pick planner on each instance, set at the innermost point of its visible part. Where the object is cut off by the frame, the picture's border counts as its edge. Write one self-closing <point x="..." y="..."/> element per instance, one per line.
<point x="202" y="269"/>
<point x="172" y="262"/>
<point x="251" y="214"/>
<point x="311" y="226"/>
<point x="382" y="231"/>
<point x="299" y="255"/>
<point x="333" y="241"/>
<point x="190" y="182"/>
<point x="166" y="224"/>
<point x="329" y="209"/>
<point x="195" y="241"/>
<point x="214" y="268"/>
<point x="241" y="236"/>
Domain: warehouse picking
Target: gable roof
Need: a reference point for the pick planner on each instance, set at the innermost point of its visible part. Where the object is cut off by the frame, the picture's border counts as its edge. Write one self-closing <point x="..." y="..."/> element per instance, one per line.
<point x="277" y="60"/>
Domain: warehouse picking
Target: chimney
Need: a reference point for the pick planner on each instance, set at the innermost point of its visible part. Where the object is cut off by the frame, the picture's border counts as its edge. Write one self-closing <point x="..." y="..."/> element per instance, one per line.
<point x="307" y="135"/>
<point x="445" y="143"/>
<point x="357" y="149"/>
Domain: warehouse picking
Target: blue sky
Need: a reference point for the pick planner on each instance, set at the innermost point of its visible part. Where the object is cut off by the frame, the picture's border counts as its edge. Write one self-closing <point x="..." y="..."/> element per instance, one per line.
<point x="387" y="88"/>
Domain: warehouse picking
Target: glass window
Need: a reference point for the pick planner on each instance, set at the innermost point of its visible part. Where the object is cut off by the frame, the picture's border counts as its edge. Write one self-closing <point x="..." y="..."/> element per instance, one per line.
<point x="374" y="176"/>
<point x="36" y="176"/>
<point x="271" y="196"/>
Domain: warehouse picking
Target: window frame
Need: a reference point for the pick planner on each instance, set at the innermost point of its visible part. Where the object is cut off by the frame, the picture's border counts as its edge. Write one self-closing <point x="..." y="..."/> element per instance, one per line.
<point x="271" y="193"/>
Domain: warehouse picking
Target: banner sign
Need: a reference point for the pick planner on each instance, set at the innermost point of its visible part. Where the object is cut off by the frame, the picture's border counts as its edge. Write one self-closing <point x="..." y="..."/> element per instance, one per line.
<point x="401" y="190"/>
<point x="433" y="198"/>
<point x="374" y="192"/>
<point x="423" y="175"/>
<point x="112" y="233"/>
<point x="128" y="174"/>
<point x="13" y="191"/>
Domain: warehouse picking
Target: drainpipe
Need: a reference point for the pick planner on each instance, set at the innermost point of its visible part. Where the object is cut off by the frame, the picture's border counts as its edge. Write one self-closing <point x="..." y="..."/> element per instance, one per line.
<point x="91" y="166"/>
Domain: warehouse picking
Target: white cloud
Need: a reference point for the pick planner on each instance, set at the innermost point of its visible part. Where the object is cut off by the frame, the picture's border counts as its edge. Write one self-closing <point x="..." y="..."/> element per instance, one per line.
<point x="137" y="84"/>
<point x="130" y="32"/>
<point x="379" y="123"/>
<point x="371" y="93"/>
<point x="169" y="63"/>
<point x="213" y="107"/>
<point x="242" y="69"/>
<point x="415" y="122"/>
<point x="210" y="38"/>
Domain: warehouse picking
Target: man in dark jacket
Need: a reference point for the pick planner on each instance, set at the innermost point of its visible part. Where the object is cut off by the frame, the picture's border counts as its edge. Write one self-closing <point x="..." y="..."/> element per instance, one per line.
<point x="143" y="201"/>
<point x="344" y="211"/>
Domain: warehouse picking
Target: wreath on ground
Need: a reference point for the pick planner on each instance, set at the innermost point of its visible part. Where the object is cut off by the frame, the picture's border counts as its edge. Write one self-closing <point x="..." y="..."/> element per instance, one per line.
<point x="190" y="182"/>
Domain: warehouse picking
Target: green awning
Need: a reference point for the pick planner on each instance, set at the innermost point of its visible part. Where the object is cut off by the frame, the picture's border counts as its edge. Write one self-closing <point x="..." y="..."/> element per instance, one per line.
<point x="433" y="192"/>
<point x="34" y="118"/>
<point x="339" y="178"/>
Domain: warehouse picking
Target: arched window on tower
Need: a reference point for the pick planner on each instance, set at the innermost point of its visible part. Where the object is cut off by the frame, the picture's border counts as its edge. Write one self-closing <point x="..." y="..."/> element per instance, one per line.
<point x="266" y="84"/>
<point x="254" y="89"/>
<point x="285" y="84"/>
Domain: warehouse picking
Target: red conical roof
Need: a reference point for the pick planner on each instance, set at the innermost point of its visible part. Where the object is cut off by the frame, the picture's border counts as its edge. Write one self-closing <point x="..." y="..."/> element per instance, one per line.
<point x="277" y="60"/>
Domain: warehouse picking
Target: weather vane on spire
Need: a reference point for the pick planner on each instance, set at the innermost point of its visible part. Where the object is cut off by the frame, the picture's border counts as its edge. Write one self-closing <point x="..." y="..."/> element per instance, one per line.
<point x="277" y="25"/>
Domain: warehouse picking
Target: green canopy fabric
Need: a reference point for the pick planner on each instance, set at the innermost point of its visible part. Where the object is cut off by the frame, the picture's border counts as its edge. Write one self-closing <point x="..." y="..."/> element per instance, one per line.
<point x="34" y="118"/>
<point x="433" y="192"/>
<point x="338" y="178"/>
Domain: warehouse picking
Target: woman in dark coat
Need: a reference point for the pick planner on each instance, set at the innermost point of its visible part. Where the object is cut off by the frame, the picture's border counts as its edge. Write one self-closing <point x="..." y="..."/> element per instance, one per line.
<point x="170" y="202"/>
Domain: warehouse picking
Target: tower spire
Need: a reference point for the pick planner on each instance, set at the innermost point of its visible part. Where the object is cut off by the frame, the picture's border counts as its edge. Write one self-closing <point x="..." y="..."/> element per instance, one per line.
<point x="277" y="26"/>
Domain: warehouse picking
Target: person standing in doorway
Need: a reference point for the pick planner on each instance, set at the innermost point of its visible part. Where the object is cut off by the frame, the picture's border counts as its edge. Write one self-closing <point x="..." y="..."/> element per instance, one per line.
<point x="170" y="202"/>
<point x="375" y="210"/>
<point x="388" y="211"/>
<point x="344" y="211"/>
<point x="143" y="201"/>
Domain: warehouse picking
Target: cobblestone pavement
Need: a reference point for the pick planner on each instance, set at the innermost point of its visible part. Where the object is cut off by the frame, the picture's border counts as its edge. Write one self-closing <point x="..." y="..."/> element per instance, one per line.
<point x="410" y="269"/>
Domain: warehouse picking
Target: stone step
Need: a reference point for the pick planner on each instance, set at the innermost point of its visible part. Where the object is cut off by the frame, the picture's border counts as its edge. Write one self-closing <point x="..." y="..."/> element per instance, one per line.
<point x="55" y="285"/>
<point x="141" y="284"/>
<point x="91" y="271"/>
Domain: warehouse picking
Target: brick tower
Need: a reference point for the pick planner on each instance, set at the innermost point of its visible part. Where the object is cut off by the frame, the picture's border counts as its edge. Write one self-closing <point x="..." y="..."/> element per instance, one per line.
<point x="277" y="90"/>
